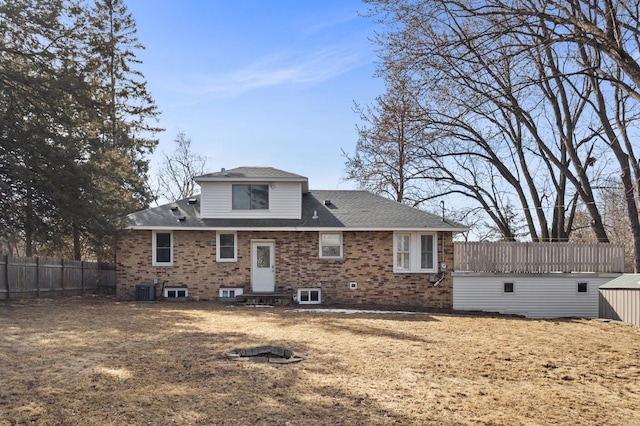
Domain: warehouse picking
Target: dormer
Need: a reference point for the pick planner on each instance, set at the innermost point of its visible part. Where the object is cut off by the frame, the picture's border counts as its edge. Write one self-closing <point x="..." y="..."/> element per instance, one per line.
<point x="252" y="193"/>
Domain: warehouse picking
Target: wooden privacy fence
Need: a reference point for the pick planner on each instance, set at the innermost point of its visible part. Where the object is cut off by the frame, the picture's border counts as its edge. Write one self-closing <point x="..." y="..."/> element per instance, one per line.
<point x="35" y="277"/>
<point x="520" y="257"/>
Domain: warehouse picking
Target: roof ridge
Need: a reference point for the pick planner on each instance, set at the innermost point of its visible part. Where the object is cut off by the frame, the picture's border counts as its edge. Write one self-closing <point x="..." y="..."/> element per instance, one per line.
<point x="257" y="172"/>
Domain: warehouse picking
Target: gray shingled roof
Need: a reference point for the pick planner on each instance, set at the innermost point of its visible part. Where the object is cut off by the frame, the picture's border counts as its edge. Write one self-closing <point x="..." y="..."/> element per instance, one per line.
<point x="240" y="174"/>
<point x="625" y="281"/>
<point x="253" y="173"/>
<point x="345" y="210"/>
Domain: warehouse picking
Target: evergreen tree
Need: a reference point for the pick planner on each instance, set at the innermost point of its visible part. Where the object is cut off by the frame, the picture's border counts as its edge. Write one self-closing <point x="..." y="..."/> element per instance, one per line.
<point x="74" y="132"/>
<point x="118" y="163"/>
<point x="37" y="88"/>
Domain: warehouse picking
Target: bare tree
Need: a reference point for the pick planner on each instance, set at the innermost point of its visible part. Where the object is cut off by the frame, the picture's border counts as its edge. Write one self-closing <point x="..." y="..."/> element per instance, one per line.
<point x="602" y="39"/>
<point x="532" y="102"/>
<point x="387" y="160"/>
<point x="617" y="220"/>
<point x="484" y="99"/>
<point x="175" y="179"/>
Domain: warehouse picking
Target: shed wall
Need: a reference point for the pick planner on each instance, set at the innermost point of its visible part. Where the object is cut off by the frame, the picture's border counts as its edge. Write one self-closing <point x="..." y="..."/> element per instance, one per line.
<point x="620" y="304"/>
<point x="534" y="296"/>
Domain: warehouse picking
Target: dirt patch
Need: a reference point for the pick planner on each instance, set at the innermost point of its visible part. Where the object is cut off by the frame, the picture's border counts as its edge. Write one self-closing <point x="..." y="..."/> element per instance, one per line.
<point x="99" y="361"/>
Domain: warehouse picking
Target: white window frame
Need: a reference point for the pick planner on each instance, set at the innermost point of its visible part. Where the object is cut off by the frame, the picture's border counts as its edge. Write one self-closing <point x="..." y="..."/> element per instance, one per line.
<point x="237" y="291"/>
<point x="434" y="248"/>
<point x="235" y="247"/>
<point x="320" y="245"/>
<point x="396" y="247"/>
<point x="415" y="253"/>
<point x="251" y="185"/>
<point x="154" y="243"/>
<point x="309" y="302"/>
<point x="176" y="292"/>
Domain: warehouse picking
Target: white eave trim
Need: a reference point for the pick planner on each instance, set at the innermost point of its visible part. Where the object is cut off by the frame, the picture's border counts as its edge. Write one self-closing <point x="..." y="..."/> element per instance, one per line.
<point x="231" y="179"/>
<point x="294" y="229"/>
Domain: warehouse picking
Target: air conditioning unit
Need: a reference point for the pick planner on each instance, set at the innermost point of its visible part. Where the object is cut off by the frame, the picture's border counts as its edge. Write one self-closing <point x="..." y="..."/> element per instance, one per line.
<point x="145" y="293"/>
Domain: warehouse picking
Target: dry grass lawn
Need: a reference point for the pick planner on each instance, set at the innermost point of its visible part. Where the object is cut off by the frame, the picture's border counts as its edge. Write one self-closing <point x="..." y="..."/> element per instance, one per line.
<point x="96" y="361"/>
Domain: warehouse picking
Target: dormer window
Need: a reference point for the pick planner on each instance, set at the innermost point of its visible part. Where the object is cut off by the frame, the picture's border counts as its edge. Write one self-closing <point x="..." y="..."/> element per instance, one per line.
<point x="250" y="197"/>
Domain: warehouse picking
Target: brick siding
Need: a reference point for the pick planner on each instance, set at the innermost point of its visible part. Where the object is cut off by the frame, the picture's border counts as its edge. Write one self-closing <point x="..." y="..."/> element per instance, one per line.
<point x="367" y="260"/>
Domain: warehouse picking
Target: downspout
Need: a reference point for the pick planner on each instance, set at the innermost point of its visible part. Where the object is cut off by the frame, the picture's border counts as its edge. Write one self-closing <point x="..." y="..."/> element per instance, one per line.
<point x="442" y="262"/>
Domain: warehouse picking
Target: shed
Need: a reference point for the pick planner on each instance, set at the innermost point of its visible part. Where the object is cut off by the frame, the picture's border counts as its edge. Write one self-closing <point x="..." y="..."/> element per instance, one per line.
<point x="547" y="295"/>
<point x="619" y="299"/>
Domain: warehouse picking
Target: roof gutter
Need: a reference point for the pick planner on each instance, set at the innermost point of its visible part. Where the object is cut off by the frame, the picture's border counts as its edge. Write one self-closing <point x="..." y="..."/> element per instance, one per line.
<point x="293" y="228"/>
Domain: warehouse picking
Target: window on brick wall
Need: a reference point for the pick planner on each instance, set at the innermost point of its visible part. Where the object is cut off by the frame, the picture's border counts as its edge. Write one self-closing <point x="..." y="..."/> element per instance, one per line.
<point x="309" y="296"/>
<point x="230" y="293"/>
<point x="162" y="247"/>
<point x="414" y="252"/>
<point x="330" y="245"/>
<point x="226" y="247"/>
<point x="427" y="259"/>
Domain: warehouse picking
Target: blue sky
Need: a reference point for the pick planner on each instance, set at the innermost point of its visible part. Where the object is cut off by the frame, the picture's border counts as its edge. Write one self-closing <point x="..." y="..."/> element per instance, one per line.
<point x="260" y="83"/>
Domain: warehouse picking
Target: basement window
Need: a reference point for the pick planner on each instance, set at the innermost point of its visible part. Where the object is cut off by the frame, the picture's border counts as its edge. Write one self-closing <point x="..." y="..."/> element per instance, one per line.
<point x="176" y="292"/>
<point x="229" y="293"/>
<point x="508" y="288"/>
<point x="309" y="296"/>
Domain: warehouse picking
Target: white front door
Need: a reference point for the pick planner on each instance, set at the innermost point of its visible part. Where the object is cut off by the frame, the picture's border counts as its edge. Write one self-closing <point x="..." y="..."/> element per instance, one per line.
<point x="263" y="270"/>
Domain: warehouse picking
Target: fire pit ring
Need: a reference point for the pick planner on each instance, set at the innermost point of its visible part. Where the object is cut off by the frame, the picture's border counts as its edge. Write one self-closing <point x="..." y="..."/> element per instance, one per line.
<point x="266" y="354"/>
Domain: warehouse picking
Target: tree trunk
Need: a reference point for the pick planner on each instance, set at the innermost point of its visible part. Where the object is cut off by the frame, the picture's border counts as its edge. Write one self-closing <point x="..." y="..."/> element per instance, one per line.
<point x="77" y="252"/>
<point x="28" y="223"/>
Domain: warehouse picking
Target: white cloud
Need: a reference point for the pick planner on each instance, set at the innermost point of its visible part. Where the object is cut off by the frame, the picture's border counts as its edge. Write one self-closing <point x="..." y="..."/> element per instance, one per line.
<point x="284" y="69"/>
<point x="336" y="21"/>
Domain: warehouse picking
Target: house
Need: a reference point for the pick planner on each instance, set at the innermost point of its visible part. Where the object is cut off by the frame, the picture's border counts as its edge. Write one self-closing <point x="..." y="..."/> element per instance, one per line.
<point x="620" y="299"/>
<point x="261" y="231"/>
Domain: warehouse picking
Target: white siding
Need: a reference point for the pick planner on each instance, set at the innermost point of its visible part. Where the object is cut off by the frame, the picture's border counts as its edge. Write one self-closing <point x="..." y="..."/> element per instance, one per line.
<point x="285" y="201"/>
<point x="535" y="295"/>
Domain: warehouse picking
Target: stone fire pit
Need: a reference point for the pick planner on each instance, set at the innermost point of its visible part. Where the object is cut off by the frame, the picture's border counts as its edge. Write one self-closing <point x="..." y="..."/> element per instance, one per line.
<point x="270" y="354"/>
